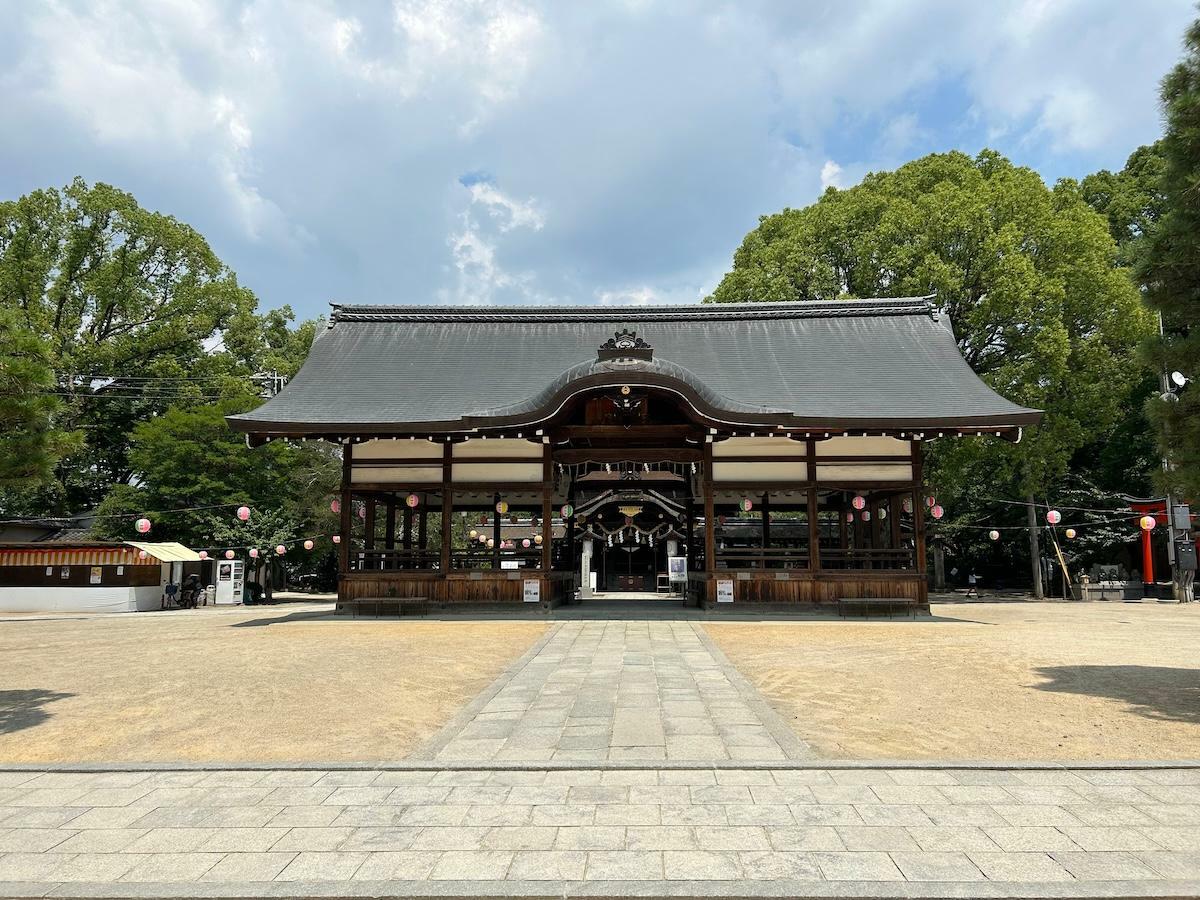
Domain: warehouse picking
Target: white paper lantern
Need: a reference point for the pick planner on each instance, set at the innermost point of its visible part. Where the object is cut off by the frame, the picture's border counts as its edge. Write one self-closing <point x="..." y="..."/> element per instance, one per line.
<point x="254" y="553"/>
<point x="203" y="554"/>
<point x="308" y="545"/>
<point x="229" y="554"/>
<point x="994" y="534"/>
<point x="337" y="538"/>
<point x="525" y="543"/>
<point x="142" y="525"/>
<point x="280" y="549"/>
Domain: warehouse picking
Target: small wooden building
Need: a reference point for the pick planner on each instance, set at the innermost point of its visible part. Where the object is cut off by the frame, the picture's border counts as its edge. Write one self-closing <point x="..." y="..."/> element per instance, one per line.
<point x="88" y="576"/>
<point x="776" y="447"/>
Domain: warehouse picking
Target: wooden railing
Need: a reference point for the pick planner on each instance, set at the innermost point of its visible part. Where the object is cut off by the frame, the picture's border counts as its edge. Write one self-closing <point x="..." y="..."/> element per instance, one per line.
<point x="866" y="558"/>
<point x="394" y="560"/>
<point x="759" y="558"/>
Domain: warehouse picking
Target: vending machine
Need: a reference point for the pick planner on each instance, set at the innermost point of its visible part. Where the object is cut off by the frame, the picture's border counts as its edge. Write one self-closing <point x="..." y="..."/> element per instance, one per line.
<point x="230" y="576"/>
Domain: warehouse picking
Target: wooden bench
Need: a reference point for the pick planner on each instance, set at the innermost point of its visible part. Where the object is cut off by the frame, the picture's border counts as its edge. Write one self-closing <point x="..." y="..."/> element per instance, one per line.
<point x="865" y="604"/>
<point x="410" y="606"/>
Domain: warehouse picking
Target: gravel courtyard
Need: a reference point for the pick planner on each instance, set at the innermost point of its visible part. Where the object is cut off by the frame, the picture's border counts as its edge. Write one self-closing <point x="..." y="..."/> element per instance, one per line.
<point x="258" y="684"/>
<point x="984" y="681"/>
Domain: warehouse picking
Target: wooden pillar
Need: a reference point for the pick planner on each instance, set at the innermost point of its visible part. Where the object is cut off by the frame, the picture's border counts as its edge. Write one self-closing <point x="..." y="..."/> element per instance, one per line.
<point x="918" y="507"/>
<point x="447" y="506"/>
<point x="345" y="521"/>
<point x="547" y="513"/>
<point x="710" y="518"/>
<point x="572" y="558"/>
<point x="495" y="532"/>
<point x="814" y="519"/>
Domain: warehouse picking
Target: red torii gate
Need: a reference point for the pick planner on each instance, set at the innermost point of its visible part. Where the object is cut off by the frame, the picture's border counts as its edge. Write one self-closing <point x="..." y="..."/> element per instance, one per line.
<point x="1157" y="509"/>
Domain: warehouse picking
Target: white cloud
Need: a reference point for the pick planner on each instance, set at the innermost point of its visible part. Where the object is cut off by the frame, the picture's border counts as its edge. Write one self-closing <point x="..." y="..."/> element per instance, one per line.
<point x="831" y="175"/>
<point x="319" y="143"/>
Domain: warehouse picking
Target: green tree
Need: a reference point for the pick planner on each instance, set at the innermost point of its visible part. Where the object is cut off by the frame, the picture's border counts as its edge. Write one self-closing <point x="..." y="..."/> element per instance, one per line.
<point x="1132" y="199"/>
<point x="30" y="440"/>
<point x="1029" y="277"/>
<point x="1169" y="269"/>
<point x="111" y="288"/>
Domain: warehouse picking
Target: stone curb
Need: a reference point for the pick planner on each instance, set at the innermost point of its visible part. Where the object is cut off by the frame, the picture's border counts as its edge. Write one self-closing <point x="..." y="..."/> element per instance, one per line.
<point x="793" y="746"/>
<point x="429" y="750"/>
<point x="677" y="890"/>
<point x="603" y="766"/>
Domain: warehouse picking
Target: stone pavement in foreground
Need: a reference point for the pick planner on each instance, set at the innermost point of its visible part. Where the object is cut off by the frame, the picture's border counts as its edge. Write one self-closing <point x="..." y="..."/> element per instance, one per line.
<point x="789" y="830"/>
<point x="643" y="691"/>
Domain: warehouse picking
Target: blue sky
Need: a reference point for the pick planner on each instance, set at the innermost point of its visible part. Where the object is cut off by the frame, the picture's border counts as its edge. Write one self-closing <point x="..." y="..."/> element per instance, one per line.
<point x="515" y="151"/>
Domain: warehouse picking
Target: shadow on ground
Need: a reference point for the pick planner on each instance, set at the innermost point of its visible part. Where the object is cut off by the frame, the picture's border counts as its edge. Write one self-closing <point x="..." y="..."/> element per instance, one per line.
<point x="1156" y="692"/>
<point x="24" y="709"/>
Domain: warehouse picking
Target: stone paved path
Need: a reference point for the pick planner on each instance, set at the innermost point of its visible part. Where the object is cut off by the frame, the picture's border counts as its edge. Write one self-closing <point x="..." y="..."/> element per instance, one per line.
<point x="671" y="831"/>
<point x="645" y="691"/>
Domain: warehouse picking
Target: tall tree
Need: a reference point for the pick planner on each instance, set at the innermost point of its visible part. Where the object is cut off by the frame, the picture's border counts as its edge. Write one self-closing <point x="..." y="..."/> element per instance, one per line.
<point x="1132" y="200"/>
<point x="30" y="440"/>
<point x="1169" y="269"/>
<point x="111" y="289"/>
<point x="1029" y="277"/>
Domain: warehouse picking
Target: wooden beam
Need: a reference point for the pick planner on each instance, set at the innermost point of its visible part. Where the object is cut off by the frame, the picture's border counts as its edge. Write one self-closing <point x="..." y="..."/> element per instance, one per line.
<point x="344" y="520"/>
<point x="710" y="532"/>
<point x="547" y="512"/>
<point x="571" y="456"/>
<point x="447" y="506"/>
<point x="814" y="519"/>
<point x="918" y="506"/>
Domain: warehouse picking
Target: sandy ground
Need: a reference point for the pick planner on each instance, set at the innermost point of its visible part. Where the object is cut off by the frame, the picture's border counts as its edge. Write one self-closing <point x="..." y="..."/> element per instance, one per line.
<point x="985" y="681"/>
<point x="256" y="684"/>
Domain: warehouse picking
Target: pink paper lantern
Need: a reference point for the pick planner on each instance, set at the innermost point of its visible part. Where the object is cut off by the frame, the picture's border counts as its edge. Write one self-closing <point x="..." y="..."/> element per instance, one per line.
<point x="243" y="513"/>
<point x="525" y="543"/>
<point x="280" y="549"/>
<point x="994" y="534"/>
<point x="337" y="538"/>
<point x="229" y="554"/>
<point x="335" y="506"/>
<point x="362" y="512"/>
<point x="142" y="554"/>
<point x="1147" y="523"/>
<point x="142" y="525"/>
<point x="859" y="502"/>
<point x="254" y="553"/>
<point x="931" y="502"/>
<point x="491" y="543"/>
<point x="849" y="517"/>
<point x="1054" y="517"/>
<point x="308" y="545"/>
<point x="747" y="505"/>
<point x="413" y="501"/>
<point x="866" y="515"/>
<point x="203" y="554"/>
<point x="567" y="511"/>
<point x="937" y="512"/>
<point x="906" y="504"/>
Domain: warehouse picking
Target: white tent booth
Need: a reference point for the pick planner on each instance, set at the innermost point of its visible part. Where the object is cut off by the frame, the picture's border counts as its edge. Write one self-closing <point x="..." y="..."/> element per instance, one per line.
<point x="89" y="576"/>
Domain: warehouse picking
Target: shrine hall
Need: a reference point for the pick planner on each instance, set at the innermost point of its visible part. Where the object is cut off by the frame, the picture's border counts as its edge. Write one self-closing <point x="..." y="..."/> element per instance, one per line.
<point x="732" y="455"/>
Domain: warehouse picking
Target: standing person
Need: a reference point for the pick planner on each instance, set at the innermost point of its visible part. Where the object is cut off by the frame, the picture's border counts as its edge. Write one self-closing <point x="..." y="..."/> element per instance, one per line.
<point x="972" y="580"/>
<point x="169" y="593"/>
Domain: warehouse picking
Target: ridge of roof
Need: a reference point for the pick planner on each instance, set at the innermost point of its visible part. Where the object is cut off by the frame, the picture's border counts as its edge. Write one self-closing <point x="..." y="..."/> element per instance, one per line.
<point x="692" y="312"/>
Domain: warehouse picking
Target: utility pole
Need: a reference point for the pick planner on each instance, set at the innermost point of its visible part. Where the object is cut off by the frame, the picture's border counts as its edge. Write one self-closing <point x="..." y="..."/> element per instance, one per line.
<point x="1035" y="551"/>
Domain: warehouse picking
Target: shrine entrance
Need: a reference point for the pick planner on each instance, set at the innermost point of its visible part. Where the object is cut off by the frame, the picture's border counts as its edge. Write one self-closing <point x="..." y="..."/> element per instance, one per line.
<point x="626" y="537"/>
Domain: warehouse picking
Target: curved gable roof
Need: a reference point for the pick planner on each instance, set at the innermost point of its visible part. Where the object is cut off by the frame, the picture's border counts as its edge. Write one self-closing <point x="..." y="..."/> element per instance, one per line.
<point x="887" y="363"/>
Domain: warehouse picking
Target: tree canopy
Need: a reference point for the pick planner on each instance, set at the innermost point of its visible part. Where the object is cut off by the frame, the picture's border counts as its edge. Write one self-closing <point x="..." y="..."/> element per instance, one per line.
<point x="1169" y="269"/>
<point x="111" y="289"/>
<point x="1028" y="276"/>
